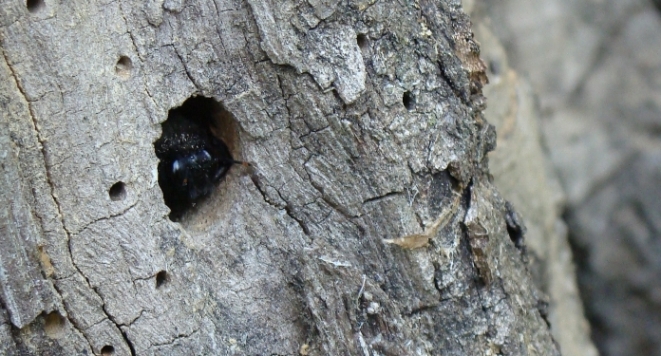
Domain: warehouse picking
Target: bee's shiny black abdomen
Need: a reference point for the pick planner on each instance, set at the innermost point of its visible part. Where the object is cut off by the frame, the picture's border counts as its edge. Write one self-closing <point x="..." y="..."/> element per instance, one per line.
<point x="192" y="161"/>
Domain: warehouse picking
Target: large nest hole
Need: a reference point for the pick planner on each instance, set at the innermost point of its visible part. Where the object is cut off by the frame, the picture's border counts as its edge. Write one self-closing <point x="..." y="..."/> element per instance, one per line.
<point x="194" y="153"/>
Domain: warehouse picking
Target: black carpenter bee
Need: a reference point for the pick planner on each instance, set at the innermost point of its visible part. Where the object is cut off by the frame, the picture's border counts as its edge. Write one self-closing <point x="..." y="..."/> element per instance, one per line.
<point x="192" y="160"/>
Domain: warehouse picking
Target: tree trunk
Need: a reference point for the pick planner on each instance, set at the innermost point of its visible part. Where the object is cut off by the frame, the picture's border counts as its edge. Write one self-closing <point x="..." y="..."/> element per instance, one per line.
<point x="366" y="223"/>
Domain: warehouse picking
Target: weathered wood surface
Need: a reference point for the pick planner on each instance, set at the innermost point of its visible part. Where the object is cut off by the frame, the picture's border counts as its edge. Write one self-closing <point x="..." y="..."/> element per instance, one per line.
<point x="362" y="121"/>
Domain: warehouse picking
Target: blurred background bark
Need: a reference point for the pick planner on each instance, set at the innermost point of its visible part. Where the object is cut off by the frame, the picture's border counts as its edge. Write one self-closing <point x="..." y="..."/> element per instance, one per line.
<point x="595" y="67"/>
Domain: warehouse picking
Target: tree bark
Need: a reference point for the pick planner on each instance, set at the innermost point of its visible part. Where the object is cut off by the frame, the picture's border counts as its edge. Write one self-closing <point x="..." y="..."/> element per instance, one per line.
<point x="366" y="224"/>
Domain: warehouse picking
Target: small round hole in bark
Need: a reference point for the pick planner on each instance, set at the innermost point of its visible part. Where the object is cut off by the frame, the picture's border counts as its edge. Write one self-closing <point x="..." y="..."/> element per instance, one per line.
<point x="362" y="41"/>
<point x="124" y="66"/>
<point x="35" y="5"/>
<point x="117" y="192"/>
<point x="161" y="278"/>
<point x="194" y="153"/>
<point x="408" y="101"/>
<point x="54" y="325"/>
<point x="107" y="350"/>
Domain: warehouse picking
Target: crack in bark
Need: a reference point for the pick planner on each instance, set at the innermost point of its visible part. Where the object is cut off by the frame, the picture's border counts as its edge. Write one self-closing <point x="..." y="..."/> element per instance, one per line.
<point x="135" y="46"/>
<point x="137" y="51"/>
<point x="183" y="64"/>
<point x="73" y="323"/>
<point x="112" y="319"/>
<point x="103" y="218"/>
<point x="49" y="181"/>
<point x="126" y="339"/>
<point x="282" y="93"/>
<point x="176" y="338"/>
<point x="447" y="78"/>
<point x="313" y="131"/>
<point x="68" y="233"/>
<point x="134" y="319"/>
<point x="103" y="305"/>
<point x="301" y="223"/>
<point x="422" y="309"/>
<point x="381" y="197"/>
<point x="286" y="208"/>
<point x="319" y="189"/>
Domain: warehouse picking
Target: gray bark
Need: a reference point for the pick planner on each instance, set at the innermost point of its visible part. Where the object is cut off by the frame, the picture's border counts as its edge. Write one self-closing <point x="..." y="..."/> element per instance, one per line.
<point x="363" y="125"/>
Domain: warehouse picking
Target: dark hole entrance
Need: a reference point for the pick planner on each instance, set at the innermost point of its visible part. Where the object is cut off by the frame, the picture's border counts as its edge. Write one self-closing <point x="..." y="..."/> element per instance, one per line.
<point x="35" y="5"/>
<point x="408" y="101"/>
<point x="515" y="226"/>
<point x="117" y="191"/>
<point x="362" y="41"/>
<point x="194" y="153"/>
<point x="107" y="350"/>
<point x="516" y="235"/>
<point x="161" y="278"/>
<point x="124" y="66"/>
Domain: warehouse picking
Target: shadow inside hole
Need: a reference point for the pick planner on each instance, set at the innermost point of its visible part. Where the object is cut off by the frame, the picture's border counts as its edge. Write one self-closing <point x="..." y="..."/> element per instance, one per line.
<point x="35" y="5"/>
<point x="54" y="325"/>
<point x="362" y="41"/>
<point x="516" y="229"/>
<point x="194" y="153"/>
<point x="408" y="101"/>
<point x="124" y="66"/>
<point x="117" y="191"/>
<point x="161" y="278"/>
<point x="107" y="350"/>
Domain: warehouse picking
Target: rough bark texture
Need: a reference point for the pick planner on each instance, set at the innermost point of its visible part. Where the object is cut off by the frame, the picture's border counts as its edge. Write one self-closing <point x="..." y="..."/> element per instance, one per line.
<point x="362" y="122"/>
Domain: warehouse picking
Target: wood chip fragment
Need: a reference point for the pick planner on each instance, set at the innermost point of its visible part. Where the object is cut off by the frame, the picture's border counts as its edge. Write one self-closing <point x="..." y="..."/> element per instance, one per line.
<point x="421" y="240"/>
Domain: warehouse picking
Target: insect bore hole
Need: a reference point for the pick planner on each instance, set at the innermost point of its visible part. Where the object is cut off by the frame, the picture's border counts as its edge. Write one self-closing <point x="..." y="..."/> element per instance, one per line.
<point x="117" y="191"/>
<point x="408" y="100"/>
<point x="35" y="5"/>
<point x="362" y="41"/>
<point x="123" y="67"/>
<point x="107" y="350"/>
<point x="161" y="278"/>
<point x="194" y="153"/>
<point x="54" y="325"/>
